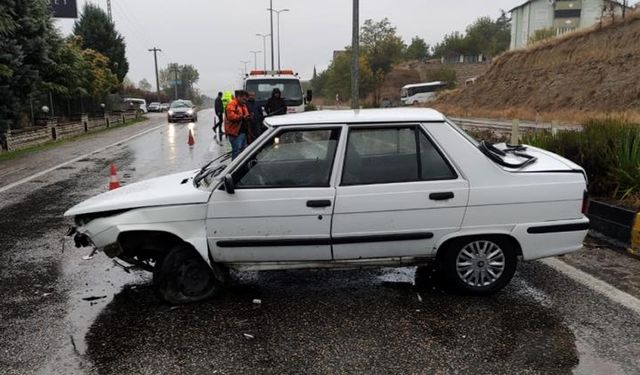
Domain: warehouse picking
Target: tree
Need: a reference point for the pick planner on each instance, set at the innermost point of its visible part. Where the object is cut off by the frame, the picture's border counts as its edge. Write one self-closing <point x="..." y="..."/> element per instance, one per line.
<point x="187" y="76"/>
<point x="485" y="36"/>
<point x="382" y="47"/>
<point x="144" y="85"/>
<point x="417" y="50"/>
<point x="25" y="45"/>
<point x="98" y="33"/>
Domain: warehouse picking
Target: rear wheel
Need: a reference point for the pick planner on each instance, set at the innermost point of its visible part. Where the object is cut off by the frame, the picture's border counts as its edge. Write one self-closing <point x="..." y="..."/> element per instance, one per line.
<point x="479" y="265"/>
<point x="182" y="276"/>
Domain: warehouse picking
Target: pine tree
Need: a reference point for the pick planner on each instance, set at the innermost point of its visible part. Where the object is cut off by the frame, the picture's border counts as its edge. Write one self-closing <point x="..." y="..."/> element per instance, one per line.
<point x="98" y="33"/>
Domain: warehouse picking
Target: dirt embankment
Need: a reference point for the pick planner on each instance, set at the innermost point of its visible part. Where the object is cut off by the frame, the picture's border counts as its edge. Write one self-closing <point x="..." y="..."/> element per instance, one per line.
<point x="588" y="73"/>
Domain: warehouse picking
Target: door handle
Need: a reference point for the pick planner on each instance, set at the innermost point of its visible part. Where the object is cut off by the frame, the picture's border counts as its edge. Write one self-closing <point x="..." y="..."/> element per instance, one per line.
<point x="319" y="203"/>
<point x="441" y="196"/>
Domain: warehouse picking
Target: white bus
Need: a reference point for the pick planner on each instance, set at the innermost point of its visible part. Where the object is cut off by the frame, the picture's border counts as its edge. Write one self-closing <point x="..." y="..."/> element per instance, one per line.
<point x="263" y="82"/>
<point x="420" y="92"/>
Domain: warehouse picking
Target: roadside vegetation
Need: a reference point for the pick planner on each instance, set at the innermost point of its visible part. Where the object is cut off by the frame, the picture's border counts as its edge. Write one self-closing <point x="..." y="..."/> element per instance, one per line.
<point x="382" y="49"/>
<point x="609" y="150"/>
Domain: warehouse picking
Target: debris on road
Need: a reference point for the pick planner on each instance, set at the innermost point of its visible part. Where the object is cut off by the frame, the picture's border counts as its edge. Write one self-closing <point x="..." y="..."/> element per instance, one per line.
<point x="257" y="301"/>
<point x="419" y="297"/>
<point x="248" y="336"/>
<point x="93" y="298"/>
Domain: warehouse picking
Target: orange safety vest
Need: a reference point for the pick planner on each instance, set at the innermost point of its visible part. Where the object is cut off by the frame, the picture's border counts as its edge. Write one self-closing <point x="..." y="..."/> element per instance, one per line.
<point x="234" y="115"/>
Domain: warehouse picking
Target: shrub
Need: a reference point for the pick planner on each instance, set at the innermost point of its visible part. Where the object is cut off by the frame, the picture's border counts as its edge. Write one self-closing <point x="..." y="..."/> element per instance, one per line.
<point x="608" y="150"/>
<point x="447" y="75"/>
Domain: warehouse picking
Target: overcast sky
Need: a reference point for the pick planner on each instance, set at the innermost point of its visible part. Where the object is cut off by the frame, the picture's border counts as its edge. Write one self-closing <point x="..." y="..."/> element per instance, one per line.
<point x="215" y="35"/>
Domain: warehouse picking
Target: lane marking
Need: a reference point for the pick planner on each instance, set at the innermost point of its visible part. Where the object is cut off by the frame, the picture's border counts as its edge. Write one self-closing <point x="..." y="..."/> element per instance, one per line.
<point x="49" y="170"/>
<point x="616" y="295"/>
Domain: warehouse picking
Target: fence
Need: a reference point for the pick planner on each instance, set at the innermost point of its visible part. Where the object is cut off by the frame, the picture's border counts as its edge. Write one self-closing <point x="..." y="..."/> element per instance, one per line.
<point x="52" y="130"/>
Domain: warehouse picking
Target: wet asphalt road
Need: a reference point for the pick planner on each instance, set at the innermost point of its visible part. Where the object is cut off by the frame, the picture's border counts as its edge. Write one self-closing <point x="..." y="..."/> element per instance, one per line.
<point x="60" y="313"/>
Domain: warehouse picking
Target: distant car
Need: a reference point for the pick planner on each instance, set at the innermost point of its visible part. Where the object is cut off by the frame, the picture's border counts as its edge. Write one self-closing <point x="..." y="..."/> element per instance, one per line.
<point x="136" y="103"/>
<point x="336" y="189"/>
<point x="182" y="110"/>
<point x="165" y="106"/>
<point x="155" y="107"/>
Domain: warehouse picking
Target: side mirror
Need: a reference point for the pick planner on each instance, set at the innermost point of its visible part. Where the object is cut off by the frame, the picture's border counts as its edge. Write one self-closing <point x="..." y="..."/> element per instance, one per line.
<point x="309" y="96"/>
<point x="228" y="184"/>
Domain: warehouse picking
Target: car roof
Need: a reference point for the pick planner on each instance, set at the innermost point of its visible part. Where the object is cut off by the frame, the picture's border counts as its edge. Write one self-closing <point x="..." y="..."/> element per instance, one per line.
<point x="362" y="116"/>
<point x="426" y="84"/>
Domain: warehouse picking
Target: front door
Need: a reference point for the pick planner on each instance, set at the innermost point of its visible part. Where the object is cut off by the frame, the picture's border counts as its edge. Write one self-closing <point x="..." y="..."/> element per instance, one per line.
<point x="283" y="201"/>
<point x="397" y="196"/>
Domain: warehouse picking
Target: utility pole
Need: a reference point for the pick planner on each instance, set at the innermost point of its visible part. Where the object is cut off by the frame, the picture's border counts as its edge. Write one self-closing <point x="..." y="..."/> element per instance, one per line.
<point x="271" y="13"/>
<point x="355" y="51"/>
<point x="255" y="58"/>
<point x="109" y="9"/>
<point x="155" y="60"/>
<point x="264" y="48"/>
<point x="175" y="83"/>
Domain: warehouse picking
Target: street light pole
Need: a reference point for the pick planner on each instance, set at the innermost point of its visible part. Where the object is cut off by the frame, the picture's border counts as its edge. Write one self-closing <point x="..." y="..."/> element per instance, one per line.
<point x="278" y="30"/>
<point x="271" y="13"/>
<point x="245" y="62"/>
<point x="175" y="83"/>
<point x="264" y="48"/>
<point x="255" y="58"/>
<point x="355" y="51"/>
<point x="155" y="59"/>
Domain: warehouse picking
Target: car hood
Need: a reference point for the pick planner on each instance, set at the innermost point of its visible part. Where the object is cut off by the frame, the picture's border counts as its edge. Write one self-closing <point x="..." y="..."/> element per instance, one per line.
<point x="175" y="189"/>
<point x="180" y="109"/>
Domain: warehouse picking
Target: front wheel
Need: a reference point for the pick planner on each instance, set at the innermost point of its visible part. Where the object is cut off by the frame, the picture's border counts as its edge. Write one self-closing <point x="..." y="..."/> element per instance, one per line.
<point x="182" y="276"/>
<point x="479" y="265"/>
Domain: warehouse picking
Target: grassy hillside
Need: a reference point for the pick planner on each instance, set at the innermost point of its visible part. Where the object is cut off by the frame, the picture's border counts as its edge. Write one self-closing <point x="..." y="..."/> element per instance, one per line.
<point x="586" y="74"/>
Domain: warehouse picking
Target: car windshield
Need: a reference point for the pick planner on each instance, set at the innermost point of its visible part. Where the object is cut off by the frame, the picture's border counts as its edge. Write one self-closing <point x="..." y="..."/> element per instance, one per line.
<point x="180" y="105"/>
<point x="155" y="103"/>
<point x="290" y="88"/>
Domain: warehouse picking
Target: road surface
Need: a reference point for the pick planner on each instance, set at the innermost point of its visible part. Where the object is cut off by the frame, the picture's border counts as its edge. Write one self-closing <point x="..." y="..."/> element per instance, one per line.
<point x="63" y="314"/>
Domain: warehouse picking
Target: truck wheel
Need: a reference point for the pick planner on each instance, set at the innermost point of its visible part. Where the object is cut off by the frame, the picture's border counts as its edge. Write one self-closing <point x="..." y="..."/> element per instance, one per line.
<point x="479" y="265"/>
<point x="182" y="276"/>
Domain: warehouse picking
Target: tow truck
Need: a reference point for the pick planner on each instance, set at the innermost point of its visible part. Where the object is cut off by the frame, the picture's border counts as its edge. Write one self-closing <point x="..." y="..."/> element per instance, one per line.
<point x="262" y="82"/>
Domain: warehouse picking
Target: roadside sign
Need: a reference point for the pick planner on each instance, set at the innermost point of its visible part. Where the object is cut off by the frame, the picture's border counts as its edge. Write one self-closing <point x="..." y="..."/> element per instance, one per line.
<point x="64" y="8"/>
<point x="174" y="82"/>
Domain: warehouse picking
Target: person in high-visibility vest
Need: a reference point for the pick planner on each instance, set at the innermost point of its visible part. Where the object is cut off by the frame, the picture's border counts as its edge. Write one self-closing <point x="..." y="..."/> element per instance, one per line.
<point x="227" y="98"/>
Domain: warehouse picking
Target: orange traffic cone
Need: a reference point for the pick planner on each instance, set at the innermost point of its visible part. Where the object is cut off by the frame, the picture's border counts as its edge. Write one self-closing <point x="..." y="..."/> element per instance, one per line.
<point x="113" y="178"/>
<point x="191" y="140"/>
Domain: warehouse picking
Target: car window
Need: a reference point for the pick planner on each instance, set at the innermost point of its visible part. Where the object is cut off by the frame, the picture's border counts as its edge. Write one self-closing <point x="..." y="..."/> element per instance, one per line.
<point x="292" y="158"/>
<point x="376" y="156"/>
<point x="433" y="166"/>
<point x="392" y="155"/>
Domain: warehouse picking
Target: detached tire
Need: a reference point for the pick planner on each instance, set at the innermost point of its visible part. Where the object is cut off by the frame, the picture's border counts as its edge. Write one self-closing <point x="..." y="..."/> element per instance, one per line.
<point x="182" y="276"/>
<point x="478" y="265"/>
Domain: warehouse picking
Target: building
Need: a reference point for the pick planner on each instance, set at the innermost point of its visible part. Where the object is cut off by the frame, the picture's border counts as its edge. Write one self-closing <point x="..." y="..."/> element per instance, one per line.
<point x="560" y="16"/>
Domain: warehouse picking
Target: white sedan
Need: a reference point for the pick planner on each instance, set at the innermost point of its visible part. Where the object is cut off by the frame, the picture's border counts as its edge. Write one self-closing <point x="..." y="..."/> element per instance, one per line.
<point x="338" y="189"/>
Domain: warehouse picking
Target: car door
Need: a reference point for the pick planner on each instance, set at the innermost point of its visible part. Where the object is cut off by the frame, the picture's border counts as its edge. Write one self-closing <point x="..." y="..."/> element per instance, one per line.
<point x="398" y="194"/>
<point x="283" y="201"/>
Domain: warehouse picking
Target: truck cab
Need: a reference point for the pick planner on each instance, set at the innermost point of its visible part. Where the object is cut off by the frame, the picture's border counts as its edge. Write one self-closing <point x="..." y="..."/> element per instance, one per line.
<point x="262" y="82"/>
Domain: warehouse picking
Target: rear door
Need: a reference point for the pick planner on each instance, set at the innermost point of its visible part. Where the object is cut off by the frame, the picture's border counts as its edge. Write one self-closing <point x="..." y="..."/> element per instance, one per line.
<point x="283" y="201"/>
<point x="397" y="196"/>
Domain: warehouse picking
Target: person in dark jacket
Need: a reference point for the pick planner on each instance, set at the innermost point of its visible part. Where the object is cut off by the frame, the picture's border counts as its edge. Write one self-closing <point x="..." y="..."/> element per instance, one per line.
<point x="255" y="124"/>
<point x="219" y="109"/>
<point x="275" y="105"/>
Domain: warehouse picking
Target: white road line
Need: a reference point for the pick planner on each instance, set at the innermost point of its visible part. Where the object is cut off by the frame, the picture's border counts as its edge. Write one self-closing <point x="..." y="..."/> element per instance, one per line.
<point x="42" y="173"/>
<point x="597" y="285"/>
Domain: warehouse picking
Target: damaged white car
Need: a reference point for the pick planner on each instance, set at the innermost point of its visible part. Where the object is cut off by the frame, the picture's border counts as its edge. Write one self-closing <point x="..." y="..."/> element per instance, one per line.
<point x="344" y="189"/>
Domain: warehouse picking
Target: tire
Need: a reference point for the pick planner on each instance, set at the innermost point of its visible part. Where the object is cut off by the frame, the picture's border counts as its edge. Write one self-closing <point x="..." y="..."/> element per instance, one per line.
<point x="169" y="120"/>
<point x="478" y="265"/>
<point x="182" y="276"/>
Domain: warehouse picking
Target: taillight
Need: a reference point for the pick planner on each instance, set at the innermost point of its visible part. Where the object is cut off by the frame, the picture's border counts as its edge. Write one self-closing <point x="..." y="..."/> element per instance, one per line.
<point x="585" y="202"/>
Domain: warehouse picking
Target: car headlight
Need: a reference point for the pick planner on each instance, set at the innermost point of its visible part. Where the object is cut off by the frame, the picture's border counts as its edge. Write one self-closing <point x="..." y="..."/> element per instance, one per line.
<point x="190" y="112"/>
<point x="170" y="112"/>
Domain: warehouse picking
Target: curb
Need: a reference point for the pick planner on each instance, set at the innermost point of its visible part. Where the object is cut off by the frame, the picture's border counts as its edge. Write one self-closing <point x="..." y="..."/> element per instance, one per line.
<point x="634" y="249"/>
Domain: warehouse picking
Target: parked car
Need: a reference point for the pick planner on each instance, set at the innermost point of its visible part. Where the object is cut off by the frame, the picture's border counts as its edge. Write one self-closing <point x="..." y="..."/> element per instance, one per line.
<point x="136" y="103"/>
<point x="182" y="110"/>
<point x="335" y="189"/>
<point x="165" y="106"/>
<point x="155" y="107"/>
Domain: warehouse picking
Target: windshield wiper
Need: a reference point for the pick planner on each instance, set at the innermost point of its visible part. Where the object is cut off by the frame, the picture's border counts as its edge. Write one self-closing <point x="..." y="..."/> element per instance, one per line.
<point x="225" y="156"/>
<point x="201" y="175"/>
